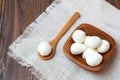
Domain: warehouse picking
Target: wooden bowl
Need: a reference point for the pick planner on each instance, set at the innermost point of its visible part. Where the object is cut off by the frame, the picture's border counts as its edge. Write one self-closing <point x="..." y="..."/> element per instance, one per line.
<point x="90" y="31"/>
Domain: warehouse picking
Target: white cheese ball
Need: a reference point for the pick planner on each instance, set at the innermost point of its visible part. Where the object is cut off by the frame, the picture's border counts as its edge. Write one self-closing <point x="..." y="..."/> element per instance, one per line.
<point x="78" y="36"/>
<point x="87" y="37"/>
<point x="44" y="48"/>
<point x="77" y="48"/>
<point x="104" y="47"/>
<point x="88" y="52"/>
<point x="94" y="60"/>
<point x="92" y="42"/>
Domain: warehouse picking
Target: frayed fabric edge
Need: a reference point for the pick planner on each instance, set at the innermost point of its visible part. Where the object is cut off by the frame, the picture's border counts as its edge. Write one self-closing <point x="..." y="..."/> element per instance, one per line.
<point x="25" y="64"/>
<point x="27" y="31"/>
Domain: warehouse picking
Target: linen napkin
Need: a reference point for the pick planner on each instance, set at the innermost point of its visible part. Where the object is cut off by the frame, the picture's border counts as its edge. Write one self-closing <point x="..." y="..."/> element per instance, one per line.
<point x="95" y="12"/>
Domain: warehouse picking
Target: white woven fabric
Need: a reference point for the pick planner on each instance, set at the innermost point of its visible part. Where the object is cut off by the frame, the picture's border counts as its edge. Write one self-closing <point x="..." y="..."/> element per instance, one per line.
<point x="96" y="12"/>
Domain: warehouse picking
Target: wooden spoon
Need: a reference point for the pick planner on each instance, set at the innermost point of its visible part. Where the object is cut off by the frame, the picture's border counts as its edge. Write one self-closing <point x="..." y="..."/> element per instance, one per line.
<point x="90" y="31"/>
<point x="54" y="42"/>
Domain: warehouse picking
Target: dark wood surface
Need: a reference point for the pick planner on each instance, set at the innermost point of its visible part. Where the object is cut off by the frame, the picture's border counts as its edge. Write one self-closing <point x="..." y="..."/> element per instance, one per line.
<point x="15" y="15"/>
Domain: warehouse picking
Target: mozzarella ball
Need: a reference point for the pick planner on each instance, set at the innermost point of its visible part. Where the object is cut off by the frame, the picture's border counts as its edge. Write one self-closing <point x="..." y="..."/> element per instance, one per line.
<point x="87" y="37"/>
<point x="88" y="52"/>
<point x="104" y="47"/>
<point x="94" y="60"/>
<point x="78" y="36"/>
<point x="44" y="48"/>
<point x="92" y="42"/>
<point x="77" y="48"/>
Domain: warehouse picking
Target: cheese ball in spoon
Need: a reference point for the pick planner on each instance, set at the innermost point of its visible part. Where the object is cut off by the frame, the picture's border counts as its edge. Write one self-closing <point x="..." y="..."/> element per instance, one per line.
<point x="44" y="48"/>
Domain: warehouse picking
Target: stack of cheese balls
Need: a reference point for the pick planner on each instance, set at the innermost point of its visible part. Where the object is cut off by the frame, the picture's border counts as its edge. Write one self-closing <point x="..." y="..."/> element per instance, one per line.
<point x="91" y="47"/>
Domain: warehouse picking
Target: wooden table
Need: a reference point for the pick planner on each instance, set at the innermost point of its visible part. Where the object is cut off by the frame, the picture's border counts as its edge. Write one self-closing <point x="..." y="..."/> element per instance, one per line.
<point x="15" y="15"/>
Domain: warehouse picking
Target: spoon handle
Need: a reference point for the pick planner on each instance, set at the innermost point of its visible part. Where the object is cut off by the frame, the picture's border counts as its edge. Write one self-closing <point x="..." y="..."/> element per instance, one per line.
<point x="71" y="21"/>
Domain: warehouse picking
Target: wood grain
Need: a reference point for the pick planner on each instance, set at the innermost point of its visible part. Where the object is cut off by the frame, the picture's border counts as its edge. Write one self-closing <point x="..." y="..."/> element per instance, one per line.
<point x="15" y="15"/>
<point x="115" y="3"/>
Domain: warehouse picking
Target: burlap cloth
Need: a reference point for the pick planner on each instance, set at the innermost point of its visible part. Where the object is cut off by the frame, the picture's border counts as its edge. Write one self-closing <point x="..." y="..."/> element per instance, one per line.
<point x="96" y="12"/>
